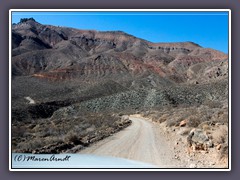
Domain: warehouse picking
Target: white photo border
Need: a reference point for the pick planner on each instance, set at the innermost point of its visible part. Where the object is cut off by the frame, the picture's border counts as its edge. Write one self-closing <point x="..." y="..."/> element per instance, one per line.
<point x="123" y="10"/>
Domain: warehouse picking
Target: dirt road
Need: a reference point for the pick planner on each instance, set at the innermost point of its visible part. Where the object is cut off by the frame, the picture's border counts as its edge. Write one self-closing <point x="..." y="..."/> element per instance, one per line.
<point x="141" y="141"/>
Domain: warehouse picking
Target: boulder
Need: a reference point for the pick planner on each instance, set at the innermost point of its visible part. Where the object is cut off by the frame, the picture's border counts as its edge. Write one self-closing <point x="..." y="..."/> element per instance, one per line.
<point x="198" y="140"/>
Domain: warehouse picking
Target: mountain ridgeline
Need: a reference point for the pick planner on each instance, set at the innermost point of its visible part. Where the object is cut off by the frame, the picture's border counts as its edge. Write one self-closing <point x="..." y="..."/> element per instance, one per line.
<point x="63" y="68"/>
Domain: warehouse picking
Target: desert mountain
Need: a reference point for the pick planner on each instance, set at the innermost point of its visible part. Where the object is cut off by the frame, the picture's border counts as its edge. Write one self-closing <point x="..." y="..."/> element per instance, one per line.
<point x="60" y="66"/>
<point x="61" y="53"/>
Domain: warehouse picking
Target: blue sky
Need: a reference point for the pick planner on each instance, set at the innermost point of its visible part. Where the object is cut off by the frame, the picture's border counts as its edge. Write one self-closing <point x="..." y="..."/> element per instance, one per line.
<point x="208" y="29"/>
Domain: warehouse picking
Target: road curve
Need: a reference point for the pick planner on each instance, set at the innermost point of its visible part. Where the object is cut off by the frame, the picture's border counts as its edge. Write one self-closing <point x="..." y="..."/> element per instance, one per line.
<point x="141" y="141"/>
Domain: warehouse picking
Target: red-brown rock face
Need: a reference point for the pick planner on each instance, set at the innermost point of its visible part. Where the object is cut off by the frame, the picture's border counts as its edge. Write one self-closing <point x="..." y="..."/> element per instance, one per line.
<point x="60" y="53"/>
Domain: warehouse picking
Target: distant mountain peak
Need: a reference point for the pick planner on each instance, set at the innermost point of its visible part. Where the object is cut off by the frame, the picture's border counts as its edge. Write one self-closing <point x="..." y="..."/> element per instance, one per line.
<point x="23" y="20"/>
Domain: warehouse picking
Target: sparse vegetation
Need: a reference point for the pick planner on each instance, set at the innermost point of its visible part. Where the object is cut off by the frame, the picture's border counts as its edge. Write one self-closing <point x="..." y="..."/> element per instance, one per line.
<point x="195" y="116"/>
<point x="79" y="130"/>
<point x="210" y="118"/>
<point x="220" y="134"/>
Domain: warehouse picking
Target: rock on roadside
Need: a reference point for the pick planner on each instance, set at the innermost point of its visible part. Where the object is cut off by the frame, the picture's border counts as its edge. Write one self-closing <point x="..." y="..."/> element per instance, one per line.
<point x="198" y="140"/>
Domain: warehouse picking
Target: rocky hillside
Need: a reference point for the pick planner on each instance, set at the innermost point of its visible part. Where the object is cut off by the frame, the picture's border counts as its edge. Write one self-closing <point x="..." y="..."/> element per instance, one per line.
<point x="51" y="60"/>
<point x="60" y="53"/>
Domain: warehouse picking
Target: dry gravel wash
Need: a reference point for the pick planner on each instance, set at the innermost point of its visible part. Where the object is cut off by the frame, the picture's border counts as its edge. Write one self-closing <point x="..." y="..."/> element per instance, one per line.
<point x="142" y="141"/>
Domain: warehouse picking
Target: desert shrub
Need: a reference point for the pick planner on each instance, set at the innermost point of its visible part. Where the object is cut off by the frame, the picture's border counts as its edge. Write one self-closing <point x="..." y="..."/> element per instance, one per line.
<point x="172" y="122"/>
<point x="18" y="131"/>
<point x="224" y="118"/>
<point x="224" y="151"/>
<point x="221" y="116"/>
<point x="71" y="136"/>
<point x="63" y="130"/>
<point x="193" y="121"/>
<point x="212" y="104"/>
<point x="205" y="127"/>
<point x="53" y="139"/>
<point x="46" y="131"/>
<point x="121" y="114"/>
<point x="163" y="118"/>
<point x="33" y="144"/>
<point x="91" y="129"/>
<point x="220" y="135"/>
